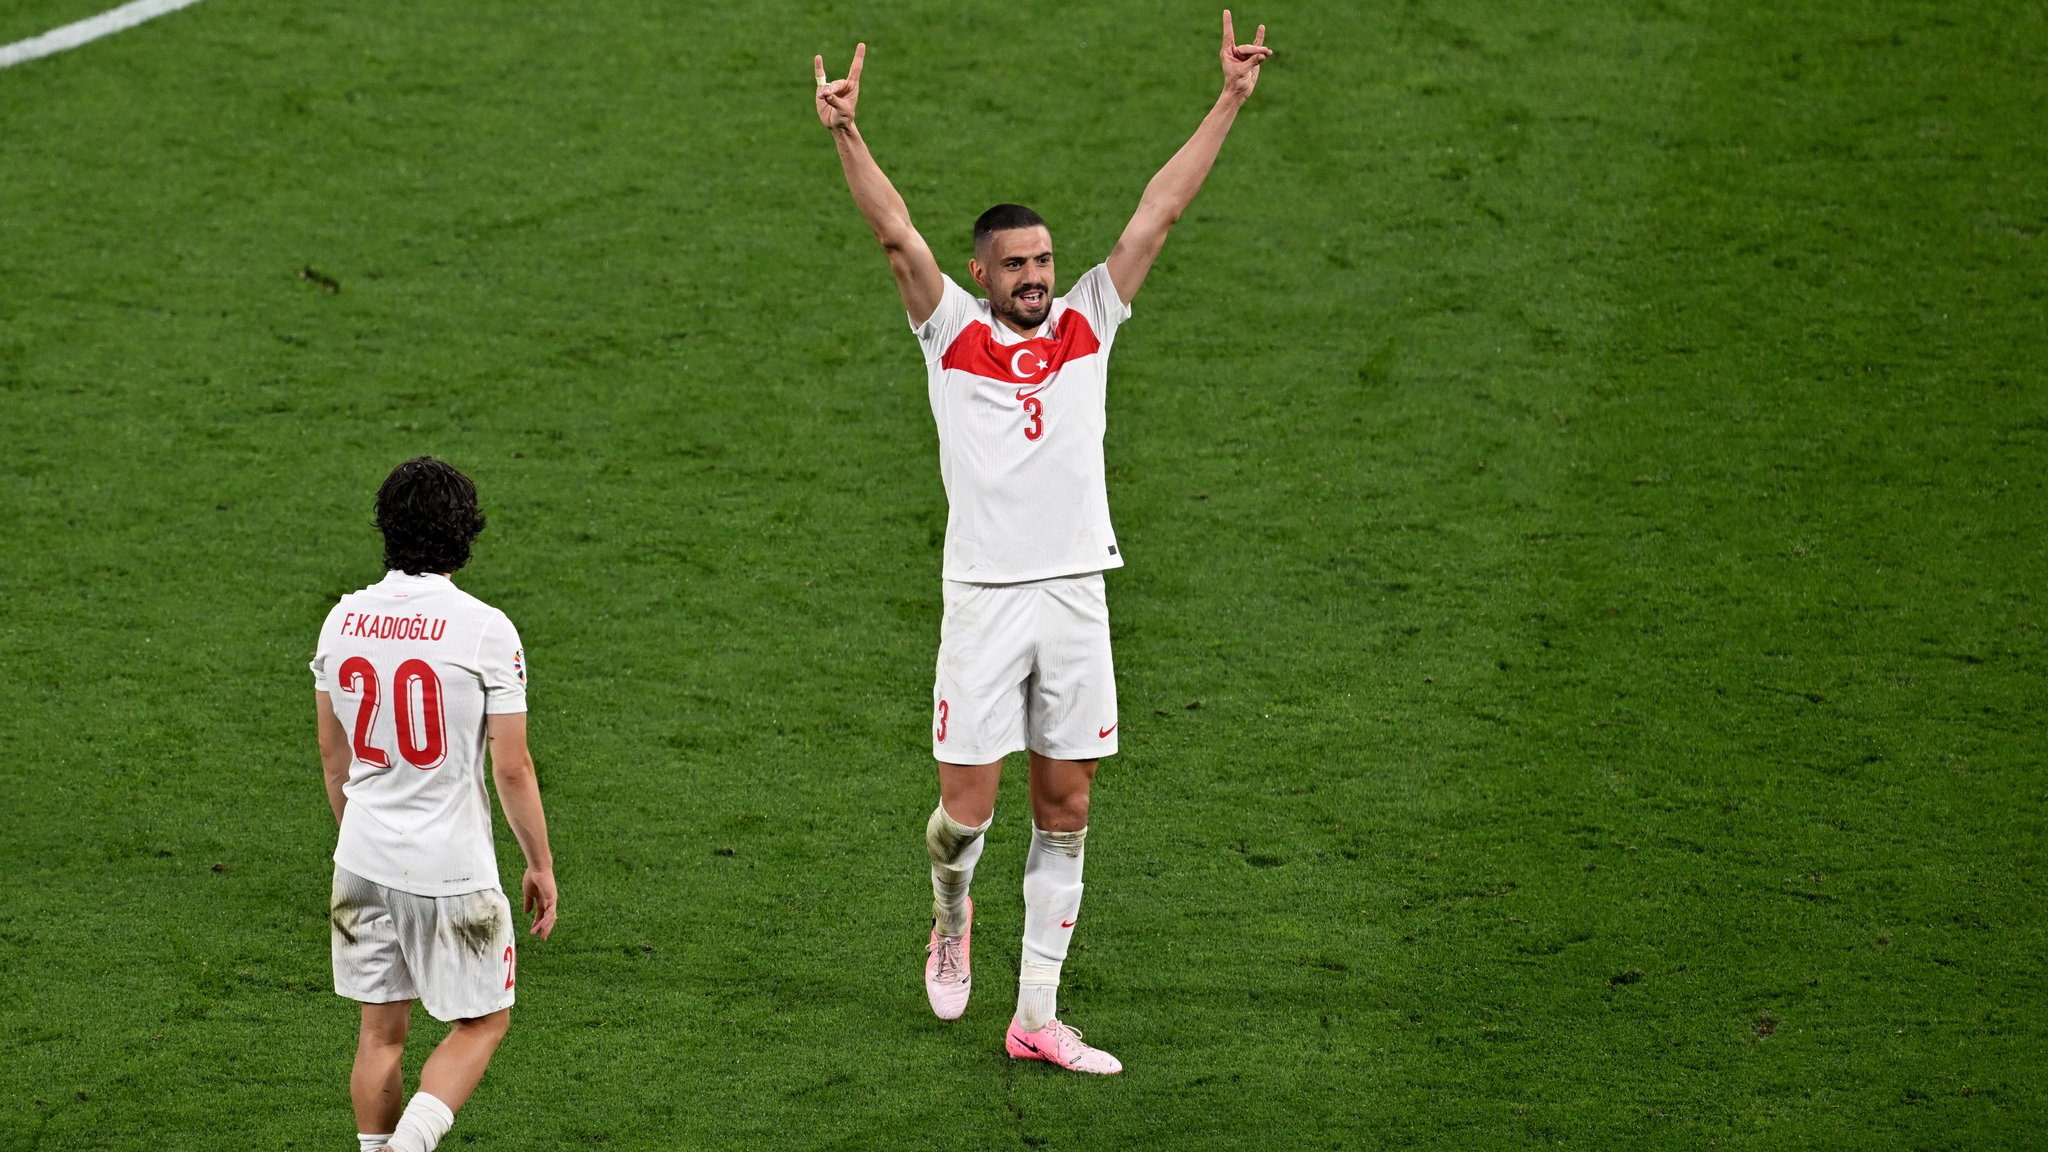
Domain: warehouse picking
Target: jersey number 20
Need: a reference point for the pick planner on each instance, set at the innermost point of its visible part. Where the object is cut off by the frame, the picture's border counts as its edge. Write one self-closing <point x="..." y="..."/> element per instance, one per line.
<point x="422" y="728"/>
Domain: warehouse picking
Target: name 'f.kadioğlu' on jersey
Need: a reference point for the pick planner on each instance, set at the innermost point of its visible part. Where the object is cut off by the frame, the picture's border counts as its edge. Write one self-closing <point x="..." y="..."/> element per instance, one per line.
<point x="413" y="664"/>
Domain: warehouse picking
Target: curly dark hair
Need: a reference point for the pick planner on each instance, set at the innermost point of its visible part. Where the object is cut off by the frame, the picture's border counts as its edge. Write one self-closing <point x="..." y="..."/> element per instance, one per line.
<point x="428" y="513"/>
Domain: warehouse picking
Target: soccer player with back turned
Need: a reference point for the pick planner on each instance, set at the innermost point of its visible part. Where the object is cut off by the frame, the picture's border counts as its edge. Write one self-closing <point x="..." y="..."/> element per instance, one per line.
<point x="413" y="677"/>
<point x="1017" y="384"/>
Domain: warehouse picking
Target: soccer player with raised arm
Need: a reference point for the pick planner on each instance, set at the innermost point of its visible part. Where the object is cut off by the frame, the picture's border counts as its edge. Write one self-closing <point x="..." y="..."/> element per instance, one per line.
<point x="1017" y="383"/>
<point x="413" y="678"/>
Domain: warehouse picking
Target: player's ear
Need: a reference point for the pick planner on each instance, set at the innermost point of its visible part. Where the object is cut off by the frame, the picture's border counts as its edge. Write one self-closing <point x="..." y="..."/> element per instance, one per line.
<point x="978" y="273"/>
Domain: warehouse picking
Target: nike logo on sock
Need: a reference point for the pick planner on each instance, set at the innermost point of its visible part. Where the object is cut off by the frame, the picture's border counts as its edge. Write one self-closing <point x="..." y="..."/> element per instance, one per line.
<point x="1103" y="734"/>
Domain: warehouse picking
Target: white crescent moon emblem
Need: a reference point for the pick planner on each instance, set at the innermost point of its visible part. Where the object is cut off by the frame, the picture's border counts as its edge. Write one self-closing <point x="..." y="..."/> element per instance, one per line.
<point x="1018" y="372"/>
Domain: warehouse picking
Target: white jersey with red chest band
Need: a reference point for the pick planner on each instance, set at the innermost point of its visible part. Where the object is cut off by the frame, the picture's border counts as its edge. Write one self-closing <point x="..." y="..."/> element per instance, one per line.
<point x="413" y="666"/>
<point x="1020" y="424"/>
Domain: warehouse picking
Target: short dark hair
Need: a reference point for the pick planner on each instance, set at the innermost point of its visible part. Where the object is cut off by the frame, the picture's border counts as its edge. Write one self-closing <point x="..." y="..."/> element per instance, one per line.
<point x="1002" y="218"/>
<point x="428" y="513"/>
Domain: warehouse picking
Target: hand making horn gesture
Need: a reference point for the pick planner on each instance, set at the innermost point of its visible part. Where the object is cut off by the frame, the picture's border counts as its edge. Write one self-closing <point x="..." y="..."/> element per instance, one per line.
<point x="1240" y="61"/>
<point x="837" y="98"/>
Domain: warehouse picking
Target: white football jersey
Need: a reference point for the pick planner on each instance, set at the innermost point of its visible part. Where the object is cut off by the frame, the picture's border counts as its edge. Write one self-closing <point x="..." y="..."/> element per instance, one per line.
<point x="1020" y="434"/>
<point x="412" y="665"/>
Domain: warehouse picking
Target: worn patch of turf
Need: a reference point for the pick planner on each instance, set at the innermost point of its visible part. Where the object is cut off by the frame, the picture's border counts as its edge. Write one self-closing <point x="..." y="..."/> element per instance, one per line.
<point x="1580" y="467"/>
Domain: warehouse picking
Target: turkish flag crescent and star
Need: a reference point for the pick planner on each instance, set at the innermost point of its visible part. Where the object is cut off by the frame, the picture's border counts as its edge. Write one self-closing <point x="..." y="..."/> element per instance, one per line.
<point x="975" y="350"/>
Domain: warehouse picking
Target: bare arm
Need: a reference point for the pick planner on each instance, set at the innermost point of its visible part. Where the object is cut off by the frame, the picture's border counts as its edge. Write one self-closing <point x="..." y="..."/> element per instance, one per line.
<point x="910" y="258"/>
<point x="1174" y="188"/>
<point x="519" y="795"/>
<point x="334" y="753"/>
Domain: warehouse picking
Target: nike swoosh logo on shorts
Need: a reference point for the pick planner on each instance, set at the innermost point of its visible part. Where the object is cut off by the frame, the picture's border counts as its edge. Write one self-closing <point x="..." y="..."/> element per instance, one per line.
<point x="1103" y="734"/>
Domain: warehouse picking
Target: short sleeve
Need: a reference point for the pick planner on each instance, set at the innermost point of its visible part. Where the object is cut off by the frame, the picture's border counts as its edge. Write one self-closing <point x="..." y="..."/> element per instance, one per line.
<point x="956" y="308"/>
<point x="323" y="651"/>
<point x="503" y="663"/>
<point x="1094" y="296"/>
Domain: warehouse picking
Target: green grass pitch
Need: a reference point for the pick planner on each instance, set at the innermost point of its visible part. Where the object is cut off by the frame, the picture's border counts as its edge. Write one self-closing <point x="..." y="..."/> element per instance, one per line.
<point x="1581" y="467"/>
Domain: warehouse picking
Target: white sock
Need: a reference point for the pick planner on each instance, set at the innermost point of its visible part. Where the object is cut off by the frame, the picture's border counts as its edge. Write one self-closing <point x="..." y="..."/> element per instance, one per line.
<point x="955" y="848"/>
<point x="426" y="1120"/>
<point x="369" y="1143"/>
<point x="1052" y="905"/>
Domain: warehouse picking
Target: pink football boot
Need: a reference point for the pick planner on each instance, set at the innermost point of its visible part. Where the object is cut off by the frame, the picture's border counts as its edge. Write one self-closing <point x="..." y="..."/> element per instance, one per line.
<point x="947" y="978"/>
<point x="1060" y="1046"/>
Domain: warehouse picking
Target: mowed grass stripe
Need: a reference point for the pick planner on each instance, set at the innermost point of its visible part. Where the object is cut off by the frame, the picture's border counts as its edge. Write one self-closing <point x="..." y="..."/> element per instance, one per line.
<point x="1345" y="898"/>
<point x="1818" y="470"/>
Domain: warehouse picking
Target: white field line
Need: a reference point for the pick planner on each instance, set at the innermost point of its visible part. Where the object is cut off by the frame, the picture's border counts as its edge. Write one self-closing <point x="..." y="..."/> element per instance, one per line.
<point x="85" y="31"/>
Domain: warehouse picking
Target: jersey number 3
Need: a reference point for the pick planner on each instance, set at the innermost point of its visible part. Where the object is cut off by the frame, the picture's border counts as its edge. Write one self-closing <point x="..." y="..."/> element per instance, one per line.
<point x="422" y="728"/>
<point x="1034" y="408"/>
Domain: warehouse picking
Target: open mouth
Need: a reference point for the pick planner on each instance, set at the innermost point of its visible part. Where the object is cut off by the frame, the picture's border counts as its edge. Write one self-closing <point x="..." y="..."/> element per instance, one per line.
<point x="1031" y="299"/>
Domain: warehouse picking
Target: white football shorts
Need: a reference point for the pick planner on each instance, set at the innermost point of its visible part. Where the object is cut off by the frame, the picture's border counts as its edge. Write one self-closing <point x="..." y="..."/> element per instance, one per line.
<point x="454" y="954"/>
<point x="1025" y="666"/>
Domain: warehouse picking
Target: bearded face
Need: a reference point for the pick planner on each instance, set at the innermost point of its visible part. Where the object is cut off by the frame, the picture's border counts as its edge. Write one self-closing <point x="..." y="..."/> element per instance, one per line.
<point x="1015" y="268"/>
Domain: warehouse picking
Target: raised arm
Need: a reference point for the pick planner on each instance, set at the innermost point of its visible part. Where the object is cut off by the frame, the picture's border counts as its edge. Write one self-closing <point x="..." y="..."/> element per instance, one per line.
<point x="1174" y="188"/>
<point x="910" y="259"/>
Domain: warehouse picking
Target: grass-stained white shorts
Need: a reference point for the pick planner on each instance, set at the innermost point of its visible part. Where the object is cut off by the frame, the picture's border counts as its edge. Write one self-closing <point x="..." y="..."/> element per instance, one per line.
<point x="454" y="954"/>
<point x="1025" y="666"/>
